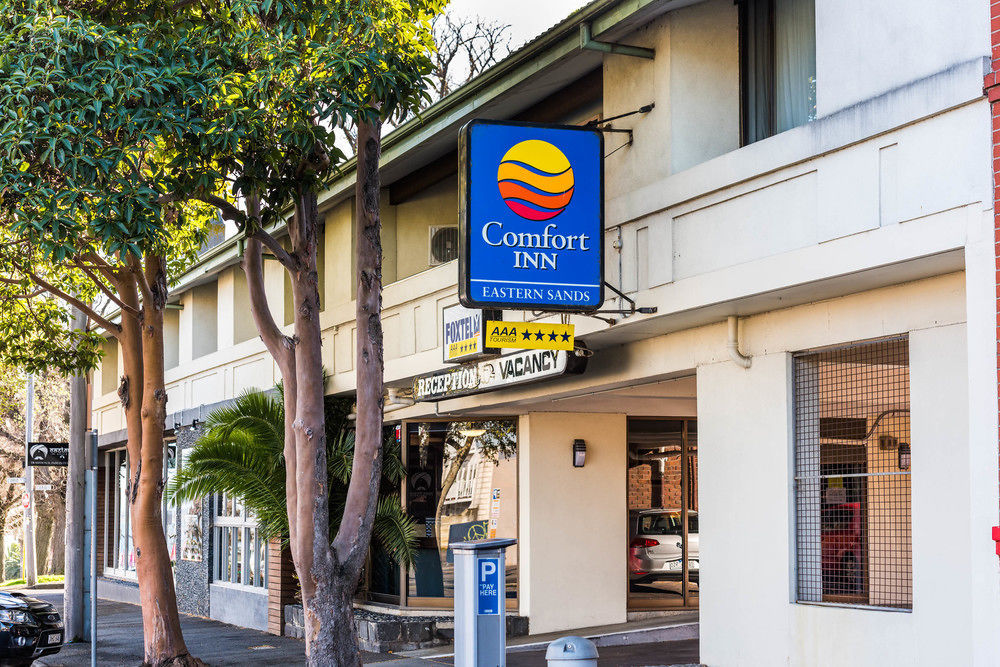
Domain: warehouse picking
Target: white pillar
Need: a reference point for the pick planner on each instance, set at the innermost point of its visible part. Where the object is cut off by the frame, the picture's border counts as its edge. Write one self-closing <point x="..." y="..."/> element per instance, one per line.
<point x="573" y="521"/>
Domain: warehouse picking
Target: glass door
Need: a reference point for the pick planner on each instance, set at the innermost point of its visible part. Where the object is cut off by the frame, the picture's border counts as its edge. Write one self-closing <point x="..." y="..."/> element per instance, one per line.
<point x="663" y="563"/>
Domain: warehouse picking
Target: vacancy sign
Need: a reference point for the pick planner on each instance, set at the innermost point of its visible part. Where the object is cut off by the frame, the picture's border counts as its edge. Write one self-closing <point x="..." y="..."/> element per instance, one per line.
<point x="530" y="335"/>
<point x="532" y="217"/>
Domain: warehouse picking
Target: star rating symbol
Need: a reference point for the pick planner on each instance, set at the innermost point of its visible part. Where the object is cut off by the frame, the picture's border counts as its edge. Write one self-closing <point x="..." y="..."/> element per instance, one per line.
<point x="565" y="337"/>
<point x="539" y="335"/>
<point x="552" y="335"/>
<point x="526" y="335"/>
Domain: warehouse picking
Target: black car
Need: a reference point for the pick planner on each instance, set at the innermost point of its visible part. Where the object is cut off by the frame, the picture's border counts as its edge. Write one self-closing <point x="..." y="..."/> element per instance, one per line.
<point x="29" y="629"/>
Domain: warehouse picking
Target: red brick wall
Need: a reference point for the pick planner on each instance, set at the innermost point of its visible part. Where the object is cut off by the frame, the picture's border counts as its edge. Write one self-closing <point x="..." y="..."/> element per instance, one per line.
<point x="281" y="586"/>
<point x="640" y="487"/>
<point x="991" y="87"/>
<point x="670" y="490"/>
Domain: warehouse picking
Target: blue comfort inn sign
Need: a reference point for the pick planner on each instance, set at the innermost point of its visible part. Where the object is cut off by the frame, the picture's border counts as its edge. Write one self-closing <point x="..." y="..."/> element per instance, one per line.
<point x="532" y="216"/>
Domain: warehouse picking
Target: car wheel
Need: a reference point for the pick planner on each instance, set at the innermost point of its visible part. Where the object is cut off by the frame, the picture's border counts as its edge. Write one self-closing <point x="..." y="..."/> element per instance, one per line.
<point x="852" y="575"/>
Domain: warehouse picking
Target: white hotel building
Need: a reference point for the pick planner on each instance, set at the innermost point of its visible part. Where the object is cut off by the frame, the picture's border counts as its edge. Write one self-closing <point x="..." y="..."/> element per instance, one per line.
<point x="818" y="170"/>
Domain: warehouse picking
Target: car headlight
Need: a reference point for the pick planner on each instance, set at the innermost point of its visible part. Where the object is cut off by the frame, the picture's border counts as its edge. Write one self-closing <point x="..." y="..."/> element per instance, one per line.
<point x="14" y="616"/>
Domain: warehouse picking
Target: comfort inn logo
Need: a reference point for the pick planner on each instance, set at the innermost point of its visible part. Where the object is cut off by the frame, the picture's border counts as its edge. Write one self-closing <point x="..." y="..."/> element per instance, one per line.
<point x="536" y="180"/>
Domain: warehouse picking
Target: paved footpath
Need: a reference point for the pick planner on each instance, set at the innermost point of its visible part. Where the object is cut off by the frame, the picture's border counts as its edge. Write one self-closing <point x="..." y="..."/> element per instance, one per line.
<point x="120" y="643"/>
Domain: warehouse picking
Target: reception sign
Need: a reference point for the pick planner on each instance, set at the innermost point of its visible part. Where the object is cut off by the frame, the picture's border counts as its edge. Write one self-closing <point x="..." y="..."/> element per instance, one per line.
<point x="497" y="373"/>
<point x="532" y="217"/>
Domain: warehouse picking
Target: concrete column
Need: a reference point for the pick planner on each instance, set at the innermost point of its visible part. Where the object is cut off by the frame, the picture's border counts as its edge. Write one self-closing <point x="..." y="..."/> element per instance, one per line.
<point x="980" y="296"/>
<point x="572" y="532"/>
<point x="744" y="518"/>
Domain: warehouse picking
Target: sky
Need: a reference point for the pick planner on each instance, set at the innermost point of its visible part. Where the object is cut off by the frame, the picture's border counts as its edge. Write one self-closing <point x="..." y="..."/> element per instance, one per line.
<point x="527" y="18"/>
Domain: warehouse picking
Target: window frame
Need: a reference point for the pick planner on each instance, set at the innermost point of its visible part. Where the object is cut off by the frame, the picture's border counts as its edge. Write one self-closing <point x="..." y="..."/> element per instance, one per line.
<point x="236" y="523"/>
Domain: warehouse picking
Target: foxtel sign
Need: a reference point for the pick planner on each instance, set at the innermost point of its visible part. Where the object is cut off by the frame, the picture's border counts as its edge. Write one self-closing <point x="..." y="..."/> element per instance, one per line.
<point x="532" y="217"/>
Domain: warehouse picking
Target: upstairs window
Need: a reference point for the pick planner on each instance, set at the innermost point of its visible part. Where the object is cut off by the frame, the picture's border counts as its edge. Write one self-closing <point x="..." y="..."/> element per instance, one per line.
<point x="777" y="66"/>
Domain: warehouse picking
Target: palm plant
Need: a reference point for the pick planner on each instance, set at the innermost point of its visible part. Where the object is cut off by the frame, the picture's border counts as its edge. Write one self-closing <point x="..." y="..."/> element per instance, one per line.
<point x="241" y="454"/>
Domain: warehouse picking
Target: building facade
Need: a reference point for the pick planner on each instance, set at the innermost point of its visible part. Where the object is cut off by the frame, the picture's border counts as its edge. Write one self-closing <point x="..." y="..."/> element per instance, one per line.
<point x="809" y="417"/>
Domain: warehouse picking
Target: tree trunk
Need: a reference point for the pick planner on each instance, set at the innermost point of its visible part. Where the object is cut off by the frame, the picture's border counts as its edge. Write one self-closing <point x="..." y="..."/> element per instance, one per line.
<point x="43" y="535"/>
<point x="144" y="399"/>
<point x="54" y="560"/>
<point x="282" y="350"/>
<point x="314" y="561"/>
<point x="328" y="573"/>
<point x="73" y="612"/>
<point x="350" y="547"/>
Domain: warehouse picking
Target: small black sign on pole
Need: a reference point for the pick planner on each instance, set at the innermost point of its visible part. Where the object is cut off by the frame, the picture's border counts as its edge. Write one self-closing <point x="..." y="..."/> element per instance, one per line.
<point x="48" y="454"/>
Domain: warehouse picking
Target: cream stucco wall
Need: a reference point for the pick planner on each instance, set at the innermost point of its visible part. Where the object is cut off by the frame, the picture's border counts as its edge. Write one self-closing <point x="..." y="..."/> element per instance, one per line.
<point x="435" y="206"/>
<point x="748" y="613"/>
<point x="572" y="521"/>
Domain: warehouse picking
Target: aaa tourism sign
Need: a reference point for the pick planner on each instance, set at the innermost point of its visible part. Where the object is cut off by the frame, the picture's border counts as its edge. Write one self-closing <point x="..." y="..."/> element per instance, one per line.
<point x="530" y="335"/>
<point x="532" y="216"/>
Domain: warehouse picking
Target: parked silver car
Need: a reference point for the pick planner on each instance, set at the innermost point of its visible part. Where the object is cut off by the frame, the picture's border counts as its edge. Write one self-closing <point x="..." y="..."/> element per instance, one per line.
<point x="656" y="548"/>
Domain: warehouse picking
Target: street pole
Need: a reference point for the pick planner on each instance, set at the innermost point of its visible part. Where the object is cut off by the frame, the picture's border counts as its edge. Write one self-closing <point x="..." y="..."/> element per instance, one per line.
<point x="29" y="476"/>
<point x="92" y="473"/>
<point x="73" y="610"/>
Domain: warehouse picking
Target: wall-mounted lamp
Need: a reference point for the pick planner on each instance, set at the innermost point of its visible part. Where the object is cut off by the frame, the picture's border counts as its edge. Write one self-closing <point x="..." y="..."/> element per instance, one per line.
<point x="194" y="423"/>
<point x="579" y="453"/>
<point x="177" y="426"/>
<point x="472" y="432"/>
<point x="903" y="456"/>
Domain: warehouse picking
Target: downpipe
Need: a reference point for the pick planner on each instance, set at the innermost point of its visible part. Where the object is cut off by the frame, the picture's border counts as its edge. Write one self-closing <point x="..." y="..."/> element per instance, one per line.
<point x="733" y="343"/>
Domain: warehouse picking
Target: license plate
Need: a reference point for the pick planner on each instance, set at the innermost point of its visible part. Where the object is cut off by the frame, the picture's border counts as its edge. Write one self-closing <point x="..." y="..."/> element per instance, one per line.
<point x="675" y="565"/>
<point x="54" y="638"/>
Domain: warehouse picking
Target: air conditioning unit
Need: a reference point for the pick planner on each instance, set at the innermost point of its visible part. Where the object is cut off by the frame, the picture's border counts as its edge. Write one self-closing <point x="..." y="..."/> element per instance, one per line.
<point x="443" y="245"/>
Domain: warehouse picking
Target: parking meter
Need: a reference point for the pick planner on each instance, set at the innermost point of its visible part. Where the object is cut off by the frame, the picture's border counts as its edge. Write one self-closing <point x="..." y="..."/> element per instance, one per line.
<point x="480" y="601"/>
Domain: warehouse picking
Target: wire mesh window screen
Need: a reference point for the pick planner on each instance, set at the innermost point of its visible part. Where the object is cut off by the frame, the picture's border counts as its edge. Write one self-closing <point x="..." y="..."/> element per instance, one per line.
<point x="852" y="475"/>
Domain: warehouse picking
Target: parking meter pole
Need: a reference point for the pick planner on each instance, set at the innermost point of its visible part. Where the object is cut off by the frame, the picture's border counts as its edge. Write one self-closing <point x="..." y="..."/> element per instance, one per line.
<point x="92" y="498"/>
<point x="480" y="603"/>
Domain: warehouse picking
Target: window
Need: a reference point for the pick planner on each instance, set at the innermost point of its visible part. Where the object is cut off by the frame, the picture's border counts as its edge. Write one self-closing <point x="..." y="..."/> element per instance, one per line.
<point x="240" y="554"/>
<point x="169" y="508"/>
<point x="120" y="556"/>
<point x="852" y="495"/>
<point x="777" y="66"/>
<point x="461" y="484"/>
<point x="205" y="318"/>
<point x="109" y="366"/>
<point x="191" y="530"/>
<point x="119" y="552"/>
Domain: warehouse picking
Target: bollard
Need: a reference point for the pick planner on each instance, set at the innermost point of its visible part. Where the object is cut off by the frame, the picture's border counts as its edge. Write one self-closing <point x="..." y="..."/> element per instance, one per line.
<point x="480" y="601"/>
<point x="571" y="652"/>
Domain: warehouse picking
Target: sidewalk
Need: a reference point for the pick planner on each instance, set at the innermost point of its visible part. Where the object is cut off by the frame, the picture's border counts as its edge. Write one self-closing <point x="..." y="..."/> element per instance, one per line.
<point x="120" y="643"/>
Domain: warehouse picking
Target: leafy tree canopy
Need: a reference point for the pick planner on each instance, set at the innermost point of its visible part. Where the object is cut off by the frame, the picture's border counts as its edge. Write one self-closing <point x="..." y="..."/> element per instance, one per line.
<point x="84" y="112"/>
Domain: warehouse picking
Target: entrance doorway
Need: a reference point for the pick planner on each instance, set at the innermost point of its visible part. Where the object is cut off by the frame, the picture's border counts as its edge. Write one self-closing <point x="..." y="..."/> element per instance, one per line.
<point x="663" y="556"/>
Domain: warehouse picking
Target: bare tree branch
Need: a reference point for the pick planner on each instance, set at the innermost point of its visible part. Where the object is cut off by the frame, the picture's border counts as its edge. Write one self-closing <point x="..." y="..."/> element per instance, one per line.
<point x="280" y="253"/>
<point x="106" y="290"/>
<point x="113" y="329"/>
